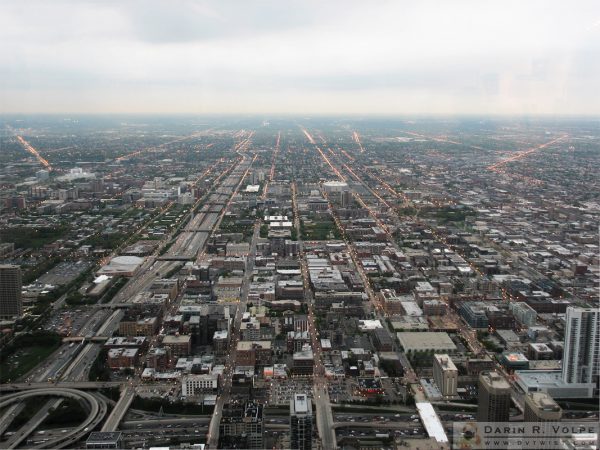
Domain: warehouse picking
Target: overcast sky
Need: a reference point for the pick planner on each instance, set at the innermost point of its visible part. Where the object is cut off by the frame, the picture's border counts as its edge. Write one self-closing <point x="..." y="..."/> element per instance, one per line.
<point x="284" y="56"/>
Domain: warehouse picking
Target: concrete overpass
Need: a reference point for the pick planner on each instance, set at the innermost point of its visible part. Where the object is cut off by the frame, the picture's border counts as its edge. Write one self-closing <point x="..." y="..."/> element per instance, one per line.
<point x="175" y="258"/>
<point x="9" y="414"/>
<point x="118" y="412"/>
<point x="114" y="305"/>
<point x="99" y="339"/>
<point x="80" y="385"/>
<point x="33" y="423"/>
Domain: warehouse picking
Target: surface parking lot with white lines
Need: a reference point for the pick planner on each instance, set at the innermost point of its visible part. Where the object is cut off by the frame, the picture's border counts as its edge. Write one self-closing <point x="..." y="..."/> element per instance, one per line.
<point x="283" y="390"/>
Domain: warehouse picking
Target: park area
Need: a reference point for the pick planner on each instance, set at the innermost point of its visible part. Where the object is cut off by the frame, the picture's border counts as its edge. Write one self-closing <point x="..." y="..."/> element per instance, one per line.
<point x="26" y="352"/>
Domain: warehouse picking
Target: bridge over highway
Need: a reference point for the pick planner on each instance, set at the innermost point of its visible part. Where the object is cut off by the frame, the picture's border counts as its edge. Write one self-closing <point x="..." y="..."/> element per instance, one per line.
<point x="175" y="258"/>
<point x="118" y="412"/>
<point x="82" y="385"/>
<point x="115" y="305"/>
<point x="99" y="339"/>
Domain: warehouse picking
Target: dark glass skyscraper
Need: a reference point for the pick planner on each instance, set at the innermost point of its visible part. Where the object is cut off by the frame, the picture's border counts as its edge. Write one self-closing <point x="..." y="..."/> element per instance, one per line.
<point x="10" y="291"/>
<point x="494" y="398"/>
<point x="301" y="417"/>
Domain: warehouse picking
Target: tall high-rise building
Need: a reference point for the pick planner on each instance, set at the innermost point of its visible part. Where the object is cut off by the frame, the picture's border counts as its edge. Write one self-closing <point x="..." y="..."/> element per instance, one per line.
<point x="541" y="407"/>
<point x="494" y="398"/>
<point x="581" y="353"/>
<point x="11" y="304"/>
<point x="445" y="375"/>
<point x="301" y="417"/>
<point x="346" y="198"/>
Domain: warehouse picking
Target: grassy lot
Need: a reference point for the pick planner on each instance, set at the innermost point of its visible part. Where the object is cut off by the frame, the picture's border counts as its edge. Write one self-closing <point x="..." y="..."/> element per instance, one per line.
<point x="231" y="225"/>
<point x="319" y="231"/>
<point x="25" y="237"/>
<point x="24" y="360"/>
<point x="25" y="352"/>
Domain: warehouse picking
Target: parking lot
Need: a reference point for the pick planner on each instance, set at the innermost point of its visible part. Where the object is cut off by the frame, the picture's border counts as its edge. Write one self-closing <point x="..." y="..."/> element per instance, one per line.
<point x="346" y="390"/>
<point x="64" y="273"/>
<point x="169" y="391"/>
<point x="338" y="390"/>
<point x="71" y="323"/>
<point x="281" y="391"/>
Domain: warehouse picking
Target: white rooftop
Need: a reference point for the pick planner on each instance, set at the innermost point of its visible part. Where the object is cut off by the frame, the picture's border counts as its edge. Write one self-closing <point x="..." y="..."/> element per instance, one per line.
<point x="100" y="279"/>
<point x="300" y="403"/>
<point x="276" y="218"/>
<point x="121" y="264"/>
<point x="412" y="309"/>
<point x="431" y="421"/>
<point x="369" y="324"/>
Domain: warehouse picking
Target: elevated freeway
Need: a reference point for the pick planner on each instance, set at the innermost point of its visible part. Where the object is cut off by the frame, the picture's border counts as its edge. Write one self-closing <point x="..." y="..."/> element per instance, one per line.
<point x="95" y="406"/>
<point x="8" y="415"/>
<point x="31" y="425"/>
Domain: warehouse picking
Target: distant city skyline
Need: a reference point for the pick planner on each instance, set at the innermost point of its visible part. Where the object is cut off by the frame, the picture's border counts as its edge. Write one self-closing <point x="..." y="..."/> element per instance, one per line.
<point x="300" y="57"/>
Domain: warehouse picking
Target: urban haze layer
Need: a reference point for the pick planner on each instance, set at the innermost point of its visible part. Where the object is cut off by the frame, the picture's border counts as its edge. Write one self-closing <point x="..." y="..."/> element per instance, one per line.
<point x="377" y="283"/>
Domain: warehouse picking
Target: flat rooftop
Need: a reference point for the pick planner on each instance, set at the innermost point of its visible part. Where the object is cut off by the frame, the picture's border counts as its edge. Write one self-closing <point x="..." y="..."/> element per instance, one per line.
<point x="540" y="347"/>
<point x="103" y="437"/>
<point x="181" y="339"/>
<point x="543" y="401"/>
<point x="445" y="362"/>
<point x="495" y="380"/>
<point x="300" y="403"/>
<point x="551" y="381"/>
<point x="369" y="324"/>
<point x="515" y="357"/>
<point x="248" y="345"/>
<point x="425" y="340"/>
<point x="411" y="308"/>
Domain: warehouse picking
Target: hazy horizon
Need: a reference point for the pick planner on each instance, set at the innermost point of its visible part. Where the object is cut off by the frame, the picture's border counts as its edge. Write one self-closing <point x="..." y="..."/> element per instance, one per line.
<point x="298" y="58"/>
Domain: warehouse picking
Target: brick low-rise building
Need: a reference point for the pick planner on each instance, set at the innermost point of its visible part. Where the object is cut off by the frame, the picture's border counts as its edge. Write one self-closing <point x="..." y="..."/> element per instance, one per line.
<point x="122" y="358"/>
<point x="254" y="353"/>
<point x="179" y="345"/>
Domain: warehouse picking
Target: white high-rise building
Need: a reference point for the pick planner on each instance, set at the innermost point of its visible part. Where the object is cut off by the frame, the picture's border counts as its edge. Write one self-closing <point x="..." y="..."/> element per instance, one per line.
<point x="581" y="353"/>
<point x="445" y="375"/>
<point x="524" y="313"/>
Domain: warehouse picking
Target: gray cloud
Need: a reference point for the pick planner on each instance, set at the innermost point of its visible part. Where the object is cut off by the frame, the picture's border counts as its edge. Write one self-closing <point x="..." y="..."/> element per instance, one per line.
<point x="157" y="21"/>
<point x="261" y="56"/>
